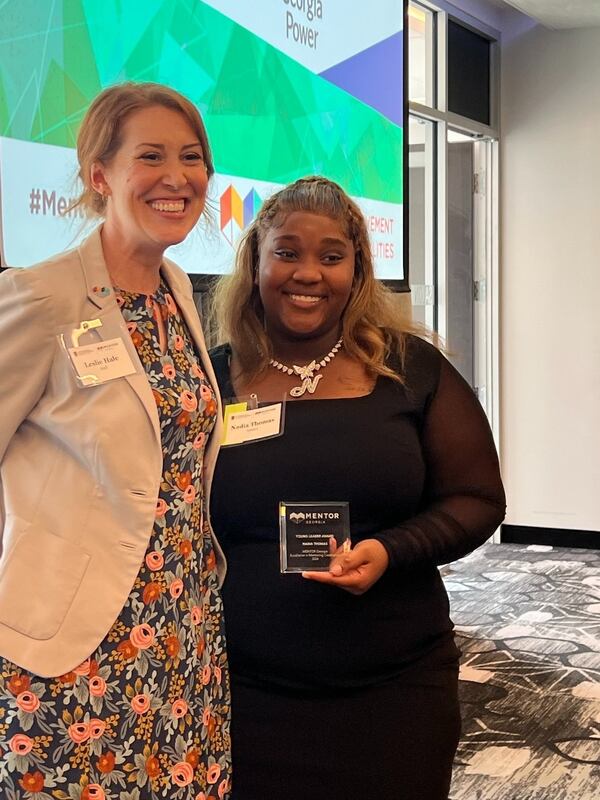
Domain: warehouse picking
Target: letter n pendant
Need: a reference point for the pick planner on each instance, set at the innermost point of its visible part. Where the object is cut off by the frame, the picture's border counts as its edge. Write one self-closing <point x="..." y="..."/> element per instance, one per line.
<point x="308" y="385"/>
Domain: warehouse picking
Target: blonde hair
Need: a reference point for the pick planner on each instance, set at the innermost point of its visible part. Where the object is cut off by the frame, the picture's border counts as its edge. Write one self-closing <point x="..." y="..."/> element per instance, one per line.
<point x="372" y="326"/>
<point x="99" y="135"/>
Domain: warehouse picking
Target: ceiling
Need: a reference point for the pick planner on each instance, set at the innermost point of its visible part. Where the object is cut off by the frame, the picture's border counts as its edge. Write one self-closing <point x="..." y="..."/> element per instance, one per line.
<point x="559" y="13"/>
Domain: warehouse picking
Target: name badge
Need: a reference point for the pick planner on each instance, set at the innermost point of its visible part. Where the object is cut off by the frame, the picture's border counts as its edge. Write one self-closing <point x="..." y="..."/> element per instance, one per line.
<point x="242" y="424"/>
<point x="100" y="362"/>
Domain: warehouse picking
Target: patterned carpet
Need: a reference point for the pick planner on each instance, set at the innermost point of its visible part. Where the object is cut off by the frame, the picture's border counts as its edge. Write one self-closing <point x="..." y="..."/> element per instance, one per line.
<point x="528" y="623"/>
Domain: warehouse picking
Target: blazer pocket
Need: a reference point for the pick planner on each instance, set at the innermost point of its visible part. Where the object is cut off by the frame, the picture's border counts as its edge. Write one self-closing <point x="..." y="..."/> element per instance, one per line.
<point x="38" y="582"/>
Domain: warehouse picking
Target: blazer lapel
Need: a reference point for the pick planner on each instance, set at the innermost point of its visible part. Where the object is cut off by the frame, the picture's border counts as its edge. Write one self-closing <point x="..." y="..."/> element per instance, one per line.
<point x="102" y="303"/>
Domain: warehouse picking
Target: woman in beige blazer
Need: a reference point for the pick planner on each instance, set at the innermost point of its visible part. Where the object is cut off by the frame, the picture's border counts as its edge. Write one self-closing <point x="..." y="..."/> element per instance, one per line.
<point x="113" y="669"/>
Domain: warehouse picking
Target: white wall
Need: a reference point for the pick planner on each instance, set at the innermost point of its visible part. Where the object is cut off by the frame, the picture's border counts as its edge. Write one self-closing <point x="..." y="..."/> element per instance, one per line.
<point x="550" y="277"/>
<point x="491" y="12"/>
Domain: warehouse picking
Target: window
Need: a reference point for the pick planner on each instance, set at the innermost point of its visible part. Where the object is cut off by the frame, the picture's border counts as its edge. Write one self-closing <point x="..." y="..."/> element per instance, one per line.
<point x="468" y="73"/>
<point x="453" y="152"/>
<point x="421" y="86"/>
<point x="421" y="216"/>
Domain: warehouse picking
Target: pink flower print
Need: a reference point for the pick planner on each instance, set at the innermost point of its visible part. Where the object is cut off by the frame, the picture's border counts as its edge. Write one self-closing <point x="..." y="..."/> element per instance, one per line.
<point x="131" y="327"/>
<point x="171" y="307"/>
<point x="223" y="788"/>
<point x="97" y="728"/>
<point x="214" y="773"/>
<point x="205" y="393"/>
<point x="120" y="301"/>
<point x="178" y="342"/>
<point x="142" y="636"/>
<point x="179" y="708"/>
<point x="199" y="441"/>
<point x="182" y="773"/>
<point x="188" y="401"/>
<point x="28" y="701"/>
<point x="196" y="371"/>
<point x="190" y="494"/>
<point x="79" y="732"/>
<point x="196" y="615"/>
<point x="97" y="686"/>
<point x="169" y="371"/>
<point x="218" y="675"/>
<point x="93" y="791"/>
<point x="140" y="703"/>
<point x="154" y="561"/>
<point x="176" y="588"/>
<point x="83" y="668"/>
<point x="205" y="675"/>
<point x="20" y="744"/>
<point x="206" y="716"/>
<point x="161" y="509"/>
<point x="200" y="796"/>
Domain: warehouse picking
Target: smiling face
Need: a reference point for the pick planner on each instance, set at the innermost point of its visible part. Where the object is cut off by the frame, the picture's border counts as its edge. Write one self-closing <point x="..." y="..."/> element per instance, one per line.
<point x="155" y="183"/>
<point x="305" y="274"/>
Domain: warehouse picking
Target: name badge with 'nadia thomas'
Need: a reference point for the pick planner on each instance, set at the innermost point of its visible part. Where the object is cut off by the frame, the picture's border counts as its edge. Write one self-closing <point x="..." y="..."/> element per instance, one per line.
<point x="311" y="533"/>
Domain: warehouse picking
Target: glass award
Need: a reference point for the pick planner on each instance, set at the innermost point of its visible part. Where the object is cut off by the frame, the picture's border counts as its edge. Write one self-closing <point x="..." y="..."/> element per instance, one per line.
<point x="311" y="533"/>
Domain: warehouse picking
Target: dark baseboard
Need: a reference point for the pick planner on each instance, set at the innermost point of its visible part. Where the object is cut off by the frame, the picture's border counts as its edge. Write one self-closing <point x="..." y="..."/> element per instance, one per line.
<point x="557" y="537"/>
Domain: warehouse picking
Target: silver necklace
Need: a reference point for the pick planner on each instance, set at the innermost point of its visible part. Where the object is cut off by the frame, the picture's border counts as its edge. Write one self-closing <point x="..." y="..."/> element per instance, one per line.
<point x="307" y="373"/>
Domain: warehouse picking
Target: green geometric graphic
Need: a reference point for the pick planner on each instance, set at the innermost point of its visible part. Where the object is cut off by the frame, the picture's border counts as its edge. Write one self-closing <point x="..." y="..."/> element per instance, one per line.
<point x="268" y="117"/>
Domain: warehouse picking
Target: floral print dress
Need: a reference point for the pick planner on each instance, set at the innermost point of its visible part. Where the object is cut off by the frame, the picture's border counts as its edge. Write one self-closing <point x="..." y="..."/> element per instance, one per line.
<point x="147" y="715"/>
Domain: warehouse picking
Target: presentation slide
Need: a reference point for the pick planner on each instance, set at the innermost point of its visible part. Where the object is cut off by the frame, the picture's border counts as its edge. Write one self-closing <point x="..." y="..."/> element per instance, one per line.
<point x="286" y="88"/>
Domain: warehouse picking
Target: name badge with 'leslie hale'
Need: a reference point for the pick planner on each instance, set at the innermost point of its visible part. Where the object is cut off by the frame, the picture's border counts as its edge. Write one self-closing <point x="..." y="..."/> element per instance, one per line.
<point x="101" y="361"/>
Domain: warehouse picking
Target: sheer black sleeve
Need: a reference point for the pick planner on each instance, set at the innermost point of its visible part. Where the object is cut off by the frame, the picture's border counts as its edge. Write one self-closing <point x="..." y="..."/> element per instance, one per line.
<point x="463" y="501"/>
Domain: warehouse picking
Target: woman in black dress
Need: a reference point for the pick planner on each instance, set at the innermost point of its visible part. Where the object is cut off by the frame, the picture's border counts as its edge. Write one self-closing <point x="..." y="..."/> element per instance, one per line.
<point x="344" y="682"/>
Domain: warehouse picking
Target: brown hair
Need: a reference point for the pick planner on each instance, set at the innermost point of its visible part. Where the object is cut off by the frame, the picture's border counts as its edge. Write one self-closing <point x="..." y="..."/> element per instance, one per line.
<point x="99" y="135"/>
<point x="372" y="326"/>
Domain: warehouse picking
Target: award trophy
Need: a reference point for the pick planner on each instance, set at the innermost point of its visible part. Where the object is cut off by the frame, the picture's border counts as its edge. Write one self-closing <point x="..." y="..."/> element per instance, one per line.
<point x="311" y="533"/>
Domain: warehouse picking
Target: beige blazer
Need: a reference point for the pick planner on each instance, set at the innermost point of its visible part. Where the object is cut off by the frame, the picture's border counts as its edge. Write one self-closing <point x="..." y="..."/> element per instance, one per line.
<point x="79" y="468"/>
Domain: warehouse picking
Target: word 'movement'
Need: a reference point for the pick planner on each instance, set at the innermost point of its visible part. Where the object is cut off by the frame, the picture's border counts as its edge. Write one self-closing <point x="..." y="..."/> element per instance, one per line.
<point x="299" y="31"/>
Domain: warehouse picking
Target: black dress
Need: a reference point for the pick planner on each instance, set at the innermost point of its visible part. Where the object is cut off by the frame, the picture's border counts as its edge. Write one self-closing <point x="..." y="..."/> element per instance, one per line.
<point x="336" y="696"/>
